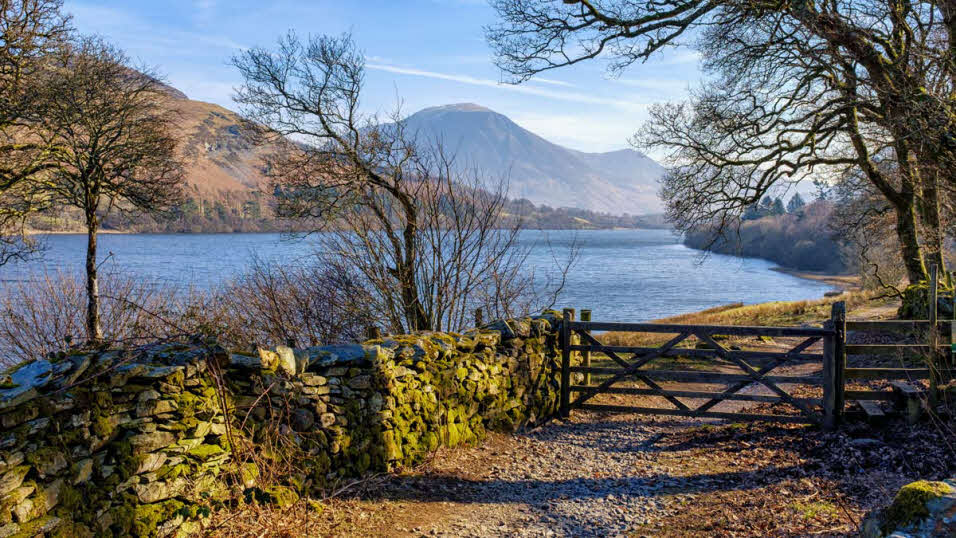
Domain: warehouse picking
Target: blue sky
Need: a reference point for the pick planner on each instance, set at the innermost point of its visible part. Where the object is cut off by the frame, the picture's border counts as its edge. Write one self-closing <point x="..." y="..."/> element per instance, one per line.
<point x="427" y="52"/>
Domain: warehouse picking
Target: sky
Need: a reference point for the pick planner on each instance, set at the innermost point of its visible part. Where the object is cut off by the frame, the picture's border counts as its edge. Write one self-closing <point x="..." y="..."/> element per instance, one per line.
<point x="422" y="52"/>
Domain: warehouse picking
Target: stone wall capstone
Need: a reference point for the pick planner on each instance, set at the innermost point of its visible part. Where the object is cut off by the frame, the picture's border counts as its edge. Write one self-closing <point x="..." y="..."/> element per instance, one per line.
<point x="147" y="441"/>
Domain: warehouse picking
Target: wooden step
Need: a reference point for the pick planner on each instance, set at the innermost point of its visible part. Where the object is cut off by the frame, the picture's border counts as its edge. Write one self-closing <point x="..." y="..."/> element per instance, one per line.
<point x="874" y="413"/>
<point x="908" y="398"/>
<point x="906" y="389"/>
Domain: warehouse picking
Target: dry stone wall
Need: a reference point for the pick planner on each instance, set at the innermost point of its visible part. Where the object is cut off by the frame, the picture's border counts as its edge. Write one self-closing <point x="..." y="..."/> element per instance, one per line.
<point x="147" y="441"/>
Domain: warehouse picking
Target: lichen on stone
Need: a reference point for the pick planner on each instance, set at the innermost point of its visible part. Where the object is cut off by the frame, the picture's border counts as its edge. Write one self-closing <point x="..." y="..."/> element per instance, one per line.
<point x="909" y="505"/>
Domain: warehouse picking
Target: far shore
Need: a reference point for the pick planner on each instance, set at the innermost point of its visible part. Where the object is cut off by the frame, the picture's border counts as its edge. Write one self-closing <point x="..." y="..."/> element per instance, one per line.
<point x="75" y="232"/>
<point x="132" y="232"/>
<point x="840" y="282"/>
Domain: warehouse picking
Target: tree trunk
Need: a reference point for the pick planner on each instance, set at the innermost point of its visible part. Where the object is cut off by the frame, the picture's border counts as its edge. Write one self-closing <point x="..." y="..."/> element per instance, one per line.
<point x="931" y="220"/>
<point x="904" y="201"/>
<point x="411" y="301"/>
<point x="93" y="330"/>
<point x="909" y="240"/>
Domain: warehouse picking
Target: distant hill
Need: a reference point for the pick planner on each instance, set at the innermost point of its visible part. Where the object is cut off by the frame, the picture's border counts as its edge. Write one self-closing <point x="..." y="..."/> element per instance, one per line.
<point x="224" y="164"/>
<point x="220" y="153"/>
<point x="227" y="186"/>
<point x="616" y="182"/>
<point x="803" y="240"/>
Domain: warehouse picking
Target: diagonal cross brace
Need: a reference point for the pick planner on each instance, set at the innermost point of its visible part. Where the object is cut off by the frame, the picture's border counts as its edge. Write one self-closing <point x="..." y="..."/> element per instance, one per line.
<point x="763" y="371"/>
<point x="631" y="369"/>
<point x="758" y="376"/>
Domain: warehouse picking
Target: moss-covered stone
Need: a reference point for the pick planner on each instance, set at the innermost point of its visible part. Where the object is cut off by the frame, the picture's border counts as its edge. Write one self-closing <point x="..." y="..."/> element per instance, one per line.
<point x="280" y="496"/>
<point x="204" y="452"/>
<point x="909" y="505"/>
<point x="915" y="302"/>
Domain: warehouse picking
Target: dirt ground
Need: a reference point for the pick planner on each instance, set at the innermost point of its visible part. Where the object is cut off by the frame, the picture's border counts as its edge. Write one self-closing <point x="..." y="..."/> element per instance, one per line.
<point x="627" y="475"/>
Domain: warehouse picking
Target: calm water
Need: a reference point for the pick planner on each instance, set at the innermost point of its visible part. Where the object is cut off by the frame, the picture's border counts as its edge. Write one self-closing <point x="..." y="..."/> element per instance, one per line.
<point x="622" y="275"/>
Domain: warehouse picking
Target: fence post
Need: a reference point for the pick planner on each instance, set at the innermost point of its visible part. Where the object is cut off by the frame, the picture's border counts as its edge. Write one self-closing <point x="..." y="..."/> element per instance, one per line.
<point x="829" y="377"/>
<point x="586" y="355"/>
<point x="933" y="335"/>
<point x="949" y="355"/>
<point x="565" y="403"/>
<point x="479" y="318"/>
<point x="834" y="365"/>
<point x="838" y="315"/>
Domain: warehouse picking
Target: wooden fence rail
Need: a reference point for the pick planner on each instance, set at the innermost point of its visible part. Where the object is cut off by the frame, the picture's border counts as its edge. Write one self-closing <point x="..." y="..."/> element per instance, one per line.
<point x="927" y="341"/>
<point x="755" y="367"/>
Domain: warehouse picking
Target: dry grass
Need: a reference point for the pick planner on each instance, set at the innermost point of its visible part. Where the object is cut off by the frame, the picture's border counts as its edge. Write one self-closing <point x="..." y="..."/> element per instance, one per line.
<point x="779" y="313"/>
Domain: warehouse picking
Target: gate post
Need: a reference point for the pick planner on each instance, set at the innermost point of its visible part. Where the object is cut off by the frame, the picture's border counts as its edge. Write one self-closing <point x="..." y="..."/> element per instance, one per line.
<point x="933" y="336"/>
<point x="586" y="355"/>
<point x="829" y="375"/>
<point x="565" y="403"/>
<point x="834" y="365"/>
<point x="838" y="315"/>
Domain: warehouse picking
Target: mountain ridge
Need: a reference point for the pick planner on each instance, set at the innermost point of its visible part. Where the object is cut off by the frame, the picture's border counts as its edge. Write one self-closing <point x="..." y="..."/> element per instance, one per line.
<point x="620" y="181"/>
<point x="224" y="165"/>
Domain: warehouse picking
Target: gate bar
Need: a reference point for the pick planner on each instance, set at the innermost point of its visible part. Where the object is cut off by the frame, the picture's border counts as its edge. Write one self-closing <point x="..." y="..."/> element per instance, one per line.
<point x="738" y="330"/>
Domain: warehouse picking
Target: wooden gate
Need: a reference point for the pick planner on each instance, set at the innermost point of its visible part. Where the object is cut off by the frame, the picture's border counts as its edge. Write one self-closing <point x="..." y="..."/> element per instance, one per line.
<point x="750" y="367"/>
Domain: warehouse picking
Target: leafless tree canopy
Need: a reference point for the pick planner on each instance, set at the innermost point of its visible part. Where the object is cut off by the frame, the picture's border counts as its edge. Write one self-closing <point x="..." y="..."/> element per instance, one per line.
<point x="30" y="32"/>
<point x="298" y="304"/>
<point x="426" y="234"/>
<point x="112" y="144"/>
<point x="796" y="90"/>
<point x="46" y="313"/>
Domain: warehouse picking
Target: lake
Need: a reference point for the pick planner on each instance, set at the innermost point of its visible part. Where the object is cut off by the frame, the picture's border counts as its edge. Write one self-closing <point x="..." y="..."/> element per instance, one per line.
<point x="621" y="275"/>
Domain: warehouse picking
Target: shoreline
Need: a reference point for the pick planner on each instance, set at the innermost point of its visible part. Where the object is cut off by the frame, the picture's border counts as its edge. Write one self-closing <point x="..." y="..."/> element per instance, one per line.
<point x="31" y="231"/>
<point x="79" y="232"/>
<point x="838" y="282"/>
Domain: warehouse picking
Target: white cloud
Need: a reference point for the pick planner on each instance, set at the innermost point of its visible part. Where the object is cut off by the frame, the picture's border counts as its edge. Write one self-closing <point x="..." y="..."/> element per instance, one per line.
<point x="680" y="56"/>
<point x="116" y="24"/>
<point x="552" y="82"/>
<point x="520" y="88"/>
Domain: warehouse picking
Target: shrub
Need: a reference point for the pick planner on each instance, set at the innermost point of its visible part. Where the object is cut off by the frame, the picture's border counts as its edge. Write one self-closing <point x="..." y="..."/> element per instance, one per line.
<point x="306" y="305"/>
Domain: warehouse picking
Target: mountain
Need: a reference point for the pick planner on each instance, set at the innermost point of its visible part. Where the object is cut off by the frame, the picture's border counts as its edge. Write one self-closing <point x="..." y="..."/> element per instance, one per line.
<point x="219" y="152"/>
<point x="224" y="164"/>
<point x="617" y="182"/>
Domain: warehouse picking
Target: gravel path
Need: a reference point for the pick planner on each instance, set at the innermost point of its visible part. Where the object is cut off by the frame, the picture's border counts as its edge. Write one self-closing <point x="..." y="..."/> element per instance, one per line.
<point x="597" y="474"/>
<point x="586" y="477"/>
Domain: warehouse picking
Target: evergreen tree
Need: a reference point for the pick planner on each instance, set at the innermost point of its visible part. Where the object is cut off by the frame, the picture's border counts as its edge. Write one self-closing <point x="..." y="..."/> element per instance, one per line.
<point x="777" y="208"/>
<point x="796" y="203"/>
<point x="766" y="205"/>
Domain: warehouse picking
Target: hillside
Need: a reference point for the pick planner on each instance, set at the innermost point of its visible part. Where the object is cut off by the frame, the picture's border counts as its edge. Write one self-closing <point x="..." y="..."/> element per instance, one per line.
<point x="616" y="182"/>
<point x="802" y="240"/>
<point x="224" y="165"/>
<point x="555" y="187"/>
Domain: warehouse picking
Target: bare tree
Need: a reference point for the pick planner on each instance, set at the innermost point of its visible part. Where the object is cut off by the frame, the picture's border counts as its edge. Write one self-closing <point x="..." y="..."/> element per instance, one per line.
<point x="30" y="32"/>
<point x="468" y="254"/>
<point x="800" y="89"/>
<point x="427" y="236"/>
<point x="860" y="219"/>
<point x="113" y="145"/>
<point x="45" y="313"/>
<point x="308" y="303"/>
